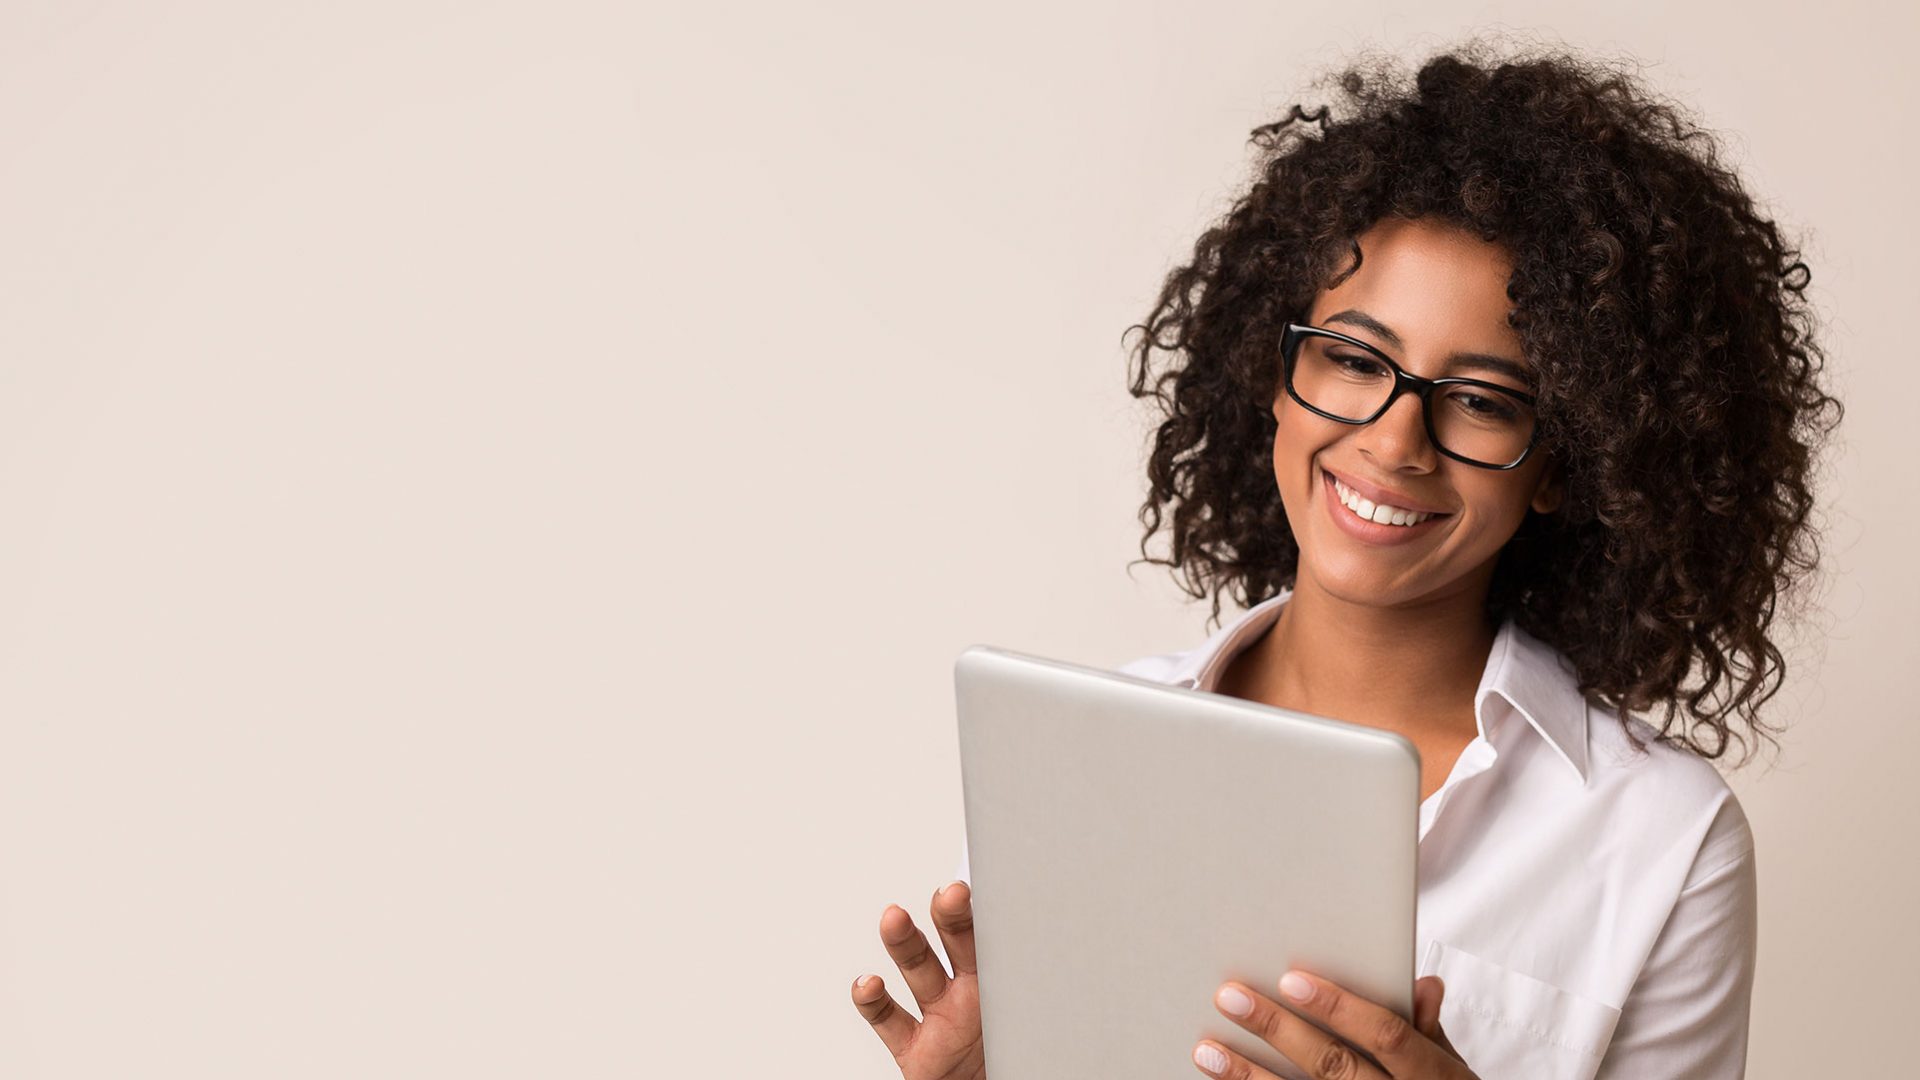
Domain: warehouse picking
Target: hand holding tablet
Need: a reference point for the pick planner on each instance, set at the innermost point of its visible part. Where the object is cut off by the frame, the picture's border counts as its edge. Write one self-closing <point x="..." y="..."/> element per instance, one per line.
<point x="1149" y="862"/>
<point x="1134" y="845"/>
<point x="945" y="1042"/>
<point x="1368" y="1041"/>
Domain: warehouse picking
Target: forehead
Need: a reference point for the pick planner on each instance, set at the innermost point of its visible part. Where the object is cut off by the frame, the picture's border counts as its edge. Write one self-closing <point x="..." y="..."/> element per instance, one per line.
<point x="1427" y="280"/>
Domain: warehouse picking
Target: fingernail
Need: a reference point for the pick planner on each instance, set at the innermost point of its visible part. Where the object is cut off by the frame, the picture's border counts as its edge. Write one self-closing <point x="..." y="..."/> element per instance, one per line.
<point x="1208" y="1057"/>
<point x="1295" y="986"/>
<point x="1233" y="1001"/>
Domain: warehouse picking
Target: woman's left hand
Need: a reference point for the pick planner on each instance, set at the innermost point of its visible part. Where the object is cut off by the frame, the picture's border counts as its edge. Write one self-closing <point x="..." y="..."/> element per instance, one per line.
<point x="1389" y="1045"/>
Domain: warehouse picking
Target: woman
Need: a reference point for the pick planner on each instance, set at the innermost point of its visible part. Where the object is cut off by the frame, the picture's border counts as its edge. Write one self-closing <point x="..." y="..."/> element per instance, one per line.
<point x="1500" y="384"/>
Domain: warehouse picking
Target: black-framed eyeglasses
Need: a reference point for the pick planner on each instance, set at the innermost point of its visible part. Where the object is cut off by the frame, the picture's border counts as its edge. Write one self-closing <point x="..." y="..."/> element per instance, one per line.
<point x="1342" y="378"/>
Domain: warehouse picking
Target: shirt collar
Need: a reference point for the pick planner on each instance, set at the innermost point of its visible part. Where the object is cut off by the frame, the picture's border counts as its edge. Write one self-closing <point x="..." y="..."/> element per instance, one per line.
<point x="1524" y="673"/>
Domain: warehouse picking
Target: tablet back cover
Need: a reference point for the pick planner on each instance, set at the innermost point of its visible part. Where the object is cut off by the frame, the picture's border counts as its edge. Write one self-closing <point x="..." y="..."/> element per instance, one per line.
<point x="1133" y="845"/>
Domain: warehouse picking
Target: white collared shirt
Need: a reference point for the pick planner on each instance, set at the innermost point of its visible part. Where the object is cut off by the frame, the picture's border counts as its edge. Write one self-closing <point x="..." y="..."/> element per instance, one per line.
<point x="1590" y="906"/>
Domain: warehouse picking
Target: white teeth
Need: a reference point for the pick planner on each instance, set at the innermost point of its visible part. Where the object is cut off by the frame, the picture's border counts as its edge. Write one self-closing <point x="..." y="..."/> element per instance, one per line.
<point x="1381" y="513"/>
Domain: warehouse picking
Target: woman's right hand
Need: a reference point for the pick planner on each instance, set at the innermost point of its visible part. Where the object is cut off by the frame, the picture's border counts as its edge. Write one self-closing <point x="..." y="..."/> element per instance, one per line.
<point x="945" y="1043"/>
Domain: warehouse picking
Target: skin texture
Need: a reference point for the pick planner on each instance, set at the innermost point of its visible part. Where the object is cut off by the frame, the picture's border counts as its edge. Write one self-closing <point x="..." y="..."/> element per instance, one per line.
<point x="1416" y="609"/>
<point x="944" y="1043"/>
<point x="1368" y="1041"/>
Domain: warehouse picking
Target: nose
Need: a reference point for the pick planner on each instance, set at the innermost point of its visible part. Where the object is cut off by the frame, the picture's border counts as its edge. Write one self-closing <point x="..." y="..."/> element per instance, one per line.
<point x="1397" y="440"/>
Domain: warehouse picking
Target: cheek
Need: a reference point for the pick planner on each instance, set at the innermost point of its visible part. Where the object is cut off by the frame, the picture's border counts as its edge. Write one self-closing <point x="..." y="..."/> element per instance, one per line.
<point x="1500" y="503"/>
<point x="1293" y="450"/>
<point x="1295" y="431"/>
<point x="1299" y="441"/>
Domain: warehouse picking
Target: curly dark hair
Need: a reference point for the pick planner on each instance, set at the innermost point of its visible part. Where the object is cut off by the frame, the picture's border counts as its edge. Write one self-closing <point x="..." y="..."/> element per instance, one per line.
<point x="1679" y="381"/>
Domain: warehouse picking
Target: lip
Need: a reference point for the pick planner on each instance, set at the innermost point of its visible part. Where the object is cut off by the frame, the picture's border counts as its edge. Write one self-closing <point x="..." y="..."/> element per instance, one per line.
<point x="1382" y="495"/>
<point x="1371" y="532"/>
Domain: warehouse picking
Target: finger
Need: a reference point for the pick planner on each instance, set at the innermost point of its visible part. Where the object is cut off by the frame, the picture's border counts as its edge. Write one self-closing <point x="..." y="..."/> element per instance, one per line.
<point x="913" y="956"/>
<point x="1218" y="1059"/>
<point x="1426" y="1004"/>
<point x="1319" y="1053"/>
<point x="1374" y="1029"/>
<point x="892" y="1023"/>
<point x="953" y="917"/>
<point x="1434" y="992"/>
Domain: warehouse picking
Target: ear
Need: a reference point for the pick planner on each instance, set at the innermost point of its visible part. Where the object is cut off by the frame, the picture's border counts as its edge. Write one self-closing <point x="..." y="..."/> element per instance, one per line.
<point x="1551" y="490"/>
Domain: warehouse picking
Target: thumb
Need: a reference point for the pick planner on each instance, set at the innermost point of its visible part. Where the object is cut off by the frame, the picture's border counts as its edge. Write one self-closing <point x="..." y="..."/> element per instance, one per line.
<point x="1427" y="994"/>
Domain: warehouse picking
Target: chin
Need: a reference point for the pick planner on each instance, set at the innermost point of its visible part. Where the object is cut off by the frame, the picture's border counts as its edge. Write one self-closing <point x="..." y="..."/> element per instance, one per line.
<point x="1355" y="580"/>
<point x="1383" y="577"/>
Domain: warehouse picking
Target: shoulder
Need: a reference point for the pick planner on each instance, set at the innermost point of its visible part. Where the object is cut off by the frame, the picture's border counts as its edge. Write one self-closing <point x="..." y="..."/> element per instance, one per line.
<point x="1657" y="789"/>
<point x="1232" y="635"/>
<point x="1159" y="667"/>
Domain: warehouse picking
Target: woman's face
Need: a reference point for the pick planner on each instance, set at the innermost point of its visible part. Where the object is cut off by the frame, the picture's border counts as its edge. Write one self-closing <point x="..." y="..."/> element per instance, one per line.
<point x="1440" y="291"/>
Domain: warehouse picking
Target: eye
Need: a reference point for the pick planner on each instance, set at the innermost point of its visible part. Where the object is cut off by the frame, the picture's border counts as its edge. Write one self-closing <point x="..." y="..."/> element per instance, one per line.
<point x="1358" y="363"/>
<point x="1485" y="407"/>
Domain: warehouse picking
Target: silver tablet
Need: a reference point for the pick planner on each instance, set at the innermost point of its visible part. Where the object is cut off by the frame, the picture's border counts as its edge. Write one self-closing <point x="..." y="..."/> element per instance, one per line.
<point x="1132" y="845"/>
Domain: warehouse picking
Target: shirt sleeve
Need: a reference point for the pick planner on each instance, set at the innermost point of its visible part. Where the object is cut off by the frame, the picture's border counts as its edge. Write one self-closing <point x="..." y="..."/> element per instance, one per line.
<point x="1688" y="1011"/>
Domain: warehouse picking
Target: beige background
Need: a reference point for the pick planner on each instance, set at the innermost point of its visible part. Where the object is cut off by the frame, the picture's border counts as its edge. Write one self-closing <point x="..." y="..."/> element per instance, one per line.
<point x="493" y="492"/>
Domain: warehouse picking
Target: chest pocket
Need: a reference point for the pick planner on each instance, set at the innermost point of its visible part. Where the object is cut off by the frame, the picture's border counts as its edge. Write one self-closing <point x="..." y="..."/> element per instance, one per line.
<point x="1508" y="1023"/>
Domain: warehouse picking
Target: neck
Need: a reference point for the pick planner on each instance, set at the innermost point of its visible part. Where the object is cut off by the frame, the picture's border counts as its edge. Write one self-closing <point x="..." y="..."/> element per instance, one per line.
<point x="1411" y="669"/>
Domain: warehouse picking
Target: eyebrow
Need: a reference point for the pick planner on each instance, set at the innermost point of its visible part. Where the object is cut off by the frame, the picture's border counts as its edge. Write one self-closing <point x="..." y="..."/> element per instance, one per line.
<point x="1513" y="369"/>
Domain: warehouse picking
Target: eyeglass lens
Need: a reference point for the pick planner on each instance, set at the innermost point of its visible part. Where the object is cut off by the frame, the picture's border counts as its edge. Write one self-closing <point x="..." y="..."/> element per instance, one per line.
<point x="1472" y="421"/>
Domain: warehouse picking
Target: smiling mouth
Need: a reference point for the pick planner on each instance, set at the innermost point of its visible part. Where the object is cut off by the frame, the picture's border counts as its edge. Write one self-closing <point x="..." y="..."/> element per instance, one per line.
<point x="1365" y="510"/>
